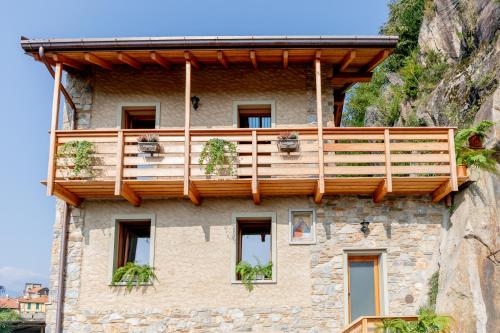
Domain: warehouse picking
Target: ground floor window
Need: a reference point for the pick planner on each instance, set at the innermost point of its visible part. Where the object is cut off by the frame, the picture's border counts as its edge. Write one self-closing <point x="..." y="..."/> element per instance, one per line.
<point x="363" y="283"/>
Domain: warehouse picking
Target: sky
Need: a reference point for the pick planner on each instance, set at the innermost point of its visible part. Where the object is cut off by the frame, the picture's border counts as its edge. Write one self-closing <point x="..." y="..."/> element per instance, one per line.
<point x="26" y="213"/>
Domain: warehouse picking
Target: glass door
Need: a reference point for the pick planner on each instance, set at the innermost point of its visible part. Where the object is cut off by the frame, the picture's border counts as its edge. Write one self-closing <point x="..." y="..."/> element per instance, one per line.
<point x="364" y="294"/>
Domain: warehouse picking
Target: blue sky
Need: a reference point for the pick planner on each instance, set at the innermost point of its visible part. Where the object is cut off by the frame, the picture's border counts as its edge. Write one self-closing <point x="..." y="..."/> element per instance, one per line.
<point x="27" y="215"/>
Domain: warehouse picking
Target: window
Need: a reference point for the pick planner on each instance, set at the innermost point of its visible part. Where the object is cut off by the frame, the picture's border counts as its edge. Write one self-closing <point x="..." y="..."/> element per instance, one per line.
<point x="134" y="241"/>
<point x="254" y="241"/>
<point x="37" y="306"/>
<point x="29" y="306"/>
<point x="139" y="116"/>
<point x="254" y="116"/>
<point x="363" y="282"/>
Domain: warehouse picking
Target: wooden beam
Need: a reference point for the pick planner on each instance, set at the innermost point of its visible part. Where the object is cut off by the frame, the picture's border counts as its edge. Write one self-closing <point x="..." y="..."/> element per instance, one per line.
<point x="253" y="59"/>
<point x="255" y="181"/>
<point x="346" y="87"/>
<point x="317" y="55"/>
<point x="341" y="78"/>
<point x="318" y="195"/>
<point x="93" y="59"/>
<point x="192" y="59"/>
<point x="120" y="144"/>
<point x="388" y="163"/>
<point x="68" y="62"/>
<point x="194" y="195"/>
<point x="66" y="195"/>
<point x="442" y="191"/>
<point x="126" y="59"/>
<point x="319" y="111"/>
<point x="285" y="59"/>
<point x="187" y="125"/>
<point x="380" y="192"/>
<point x="130" y="195"/>
<point x="346" y="61"/>
<point x="376" y="61"/>
<point x="222" y="59"/>
<point x="160" y="60"/>
<point x="337" y="116"/>
<point x="453" y="162"/>
<point x="56" y="99"/>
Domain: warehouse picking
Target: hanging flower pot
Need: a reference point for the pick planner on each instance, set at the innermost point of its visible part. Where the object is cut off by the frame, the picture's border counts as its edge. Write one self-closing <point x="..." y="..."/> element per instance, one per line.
<point x="148" y="144"/>
<point x="288" y="142"/>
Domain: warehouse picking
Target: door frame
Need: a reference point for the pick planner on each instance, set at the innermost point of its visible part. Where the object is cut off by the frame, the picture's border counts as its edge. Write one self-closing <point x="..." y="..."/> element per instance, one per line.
<point x="237" y="103"/>
<point x="120" y="119"/>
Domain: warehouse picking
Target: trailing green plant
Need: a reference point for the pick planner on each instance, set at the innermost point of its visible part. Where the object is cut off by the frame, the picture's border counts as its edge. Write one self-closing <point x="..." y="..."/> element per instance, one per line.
<point x="7" y="316"/>
<point x="249" y="274"/>
<point x="433" y="288"/>
<point x="218" y="157"/>
<point x="133" y="275"/>
<point x="80" y="154"/>
<point x="428" y="322"/>
<point x="148" y="138"/>
<point x="288" y="136"/>
<point x="480" y="130"/>
<point x="482" y="159"/>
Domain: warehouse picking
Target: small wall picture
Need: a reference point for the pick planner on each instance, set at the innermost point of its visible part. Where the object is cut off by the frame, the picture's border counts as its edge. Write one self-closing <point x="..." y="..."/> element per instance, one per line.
<point x="302" y="224"/>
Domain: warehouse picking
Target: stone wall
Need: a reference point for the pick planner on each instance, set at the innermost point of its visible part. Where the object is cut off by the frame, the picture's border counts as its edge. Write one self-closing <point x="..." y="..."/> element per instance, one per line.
<point x="194" y="292"/>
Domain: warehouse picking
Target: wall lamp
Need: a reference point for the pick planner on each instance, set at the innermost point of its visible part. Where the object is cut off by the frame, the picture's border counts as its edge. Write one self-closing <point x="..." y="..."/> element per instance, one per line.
<point x="364" y="226"/>
<point x="195" y="100"/>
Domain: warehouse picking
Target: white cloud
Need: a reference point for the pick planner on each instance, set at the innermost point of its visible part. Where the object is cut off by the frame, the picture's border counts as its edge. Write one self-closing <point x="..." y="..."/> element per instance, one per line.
<point x="14" y="278"/>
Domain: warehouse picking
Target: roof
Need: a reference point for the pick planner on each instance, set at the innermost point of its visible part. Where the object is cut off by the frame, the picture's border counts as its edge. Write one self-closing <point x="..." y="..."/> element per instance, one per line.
<point x="8" y="303"/>
<point x="41" y="299"/>
<point x="207" y="42"/>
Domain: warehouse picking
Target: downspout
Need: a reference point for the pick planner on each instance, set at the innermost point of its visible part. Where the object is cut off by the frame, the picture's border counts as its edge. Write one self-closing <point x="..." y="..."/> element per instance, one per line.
<point x="64" y="218"/>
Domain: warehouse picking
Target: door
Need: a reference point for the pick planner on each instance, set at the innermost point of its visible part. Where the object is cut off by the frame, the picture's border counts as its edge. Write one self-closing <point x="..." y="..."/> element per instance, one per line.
<point x="364" y="294"/>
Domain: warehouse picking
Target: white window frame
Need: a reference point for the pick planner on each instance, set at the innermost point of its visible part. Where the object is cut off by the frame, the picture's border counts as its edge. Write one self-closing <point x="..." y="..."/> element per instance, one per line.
<point x="384" y="294"/>
<point x="234" y="244"/>
<point x="113" y="250"/>
<point x="290" y="215"/>
<point x="238" y="103"/>
<point x="134" y="105"/>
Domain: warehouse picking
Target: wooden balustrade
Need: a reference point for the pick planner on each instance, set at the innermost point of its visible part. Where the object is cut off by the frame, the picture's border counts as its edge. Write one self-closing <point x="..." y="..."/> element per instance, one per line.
<point x="370" y="161"/>
<point x="371" y="324"/>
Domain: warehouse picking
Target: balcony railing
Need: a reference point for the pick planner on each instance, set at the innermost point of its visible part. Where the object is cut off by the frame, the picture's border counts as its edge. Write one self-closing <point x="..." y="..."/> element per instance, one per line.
<point x="368" y="161"/>
<point x="371" y="324"/>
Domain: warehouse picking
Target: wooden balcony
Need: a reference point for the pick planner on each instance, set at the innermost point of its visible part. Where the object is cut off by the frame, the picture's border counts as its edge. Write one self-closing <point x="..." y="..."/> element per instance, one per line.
<point x="370" y="324"/>
<point x="367" y="161"/>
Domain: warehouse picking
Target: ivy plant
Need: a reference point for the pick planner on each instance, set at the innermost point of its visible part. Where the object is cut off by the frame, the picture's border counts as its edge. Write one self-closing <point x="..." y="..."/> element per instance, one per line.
<point x="249" y="274"/>
<point x="428" y="322"/>
<point x="218" y="157"/>
<point x="80" y="154"/>
<point x="133" y="275"/>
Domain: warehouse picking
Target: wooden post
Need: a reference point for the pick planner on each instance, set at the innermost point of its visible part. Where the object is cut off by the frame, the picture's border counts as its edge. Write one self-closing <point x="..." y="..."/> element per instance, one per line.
<point x="120" y="146"/>
<point x="321" y="181"/>
<point x="453" y="162"/>
<point x="56" y="99"/>
<point x="255" y="181"/>
<point x="388" y="166"/>
<point x="187" y="124"/>
<point x="364" y="325"/>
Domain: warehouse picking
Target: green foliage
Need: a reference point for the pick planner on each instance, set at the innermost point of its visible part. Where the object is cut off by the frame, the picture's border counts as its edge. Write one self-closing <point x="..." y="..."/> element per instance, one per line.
<point x="133" y="274"/>
<point x="427" y="322"/>
<point x="248" y="273"/>
<point x="80" y="154"/>
<point x="482" y="159"/>
<point x="405" y="19"/>
<point x="480" y="130"/>
<point x="433" y="289"/>
<point x="218" y="157"/>
<point x="6" y="317"/>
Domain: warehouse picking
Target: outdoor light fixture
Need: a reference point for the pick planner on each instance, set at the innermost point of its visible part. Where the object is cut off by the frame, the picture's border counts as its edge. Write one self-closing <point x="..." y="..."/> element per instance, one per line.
<point x="194" y="102"/>
<point x="364" y="226"/>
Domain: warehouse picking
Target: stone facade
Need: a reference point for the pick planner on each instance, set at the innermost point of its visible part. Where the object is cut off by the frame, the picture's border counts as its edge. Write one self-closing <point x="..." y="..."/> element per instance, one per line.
<point x="194" y="292"/>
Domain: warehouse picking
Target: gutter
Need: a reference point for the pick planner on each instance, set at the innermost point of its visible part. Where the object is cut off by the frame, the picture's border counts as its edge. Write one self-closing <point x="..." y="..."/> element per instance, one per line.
<point x="62" y="269"/>
<point x="208" y="42"/>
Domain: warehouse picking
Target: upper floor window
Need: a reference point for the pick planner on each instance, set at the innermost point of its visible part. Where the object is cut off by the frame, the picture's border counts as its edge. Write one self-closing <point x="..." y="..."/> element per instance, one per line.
<point x="139" y="116"/>
<point x="254" y="116"/>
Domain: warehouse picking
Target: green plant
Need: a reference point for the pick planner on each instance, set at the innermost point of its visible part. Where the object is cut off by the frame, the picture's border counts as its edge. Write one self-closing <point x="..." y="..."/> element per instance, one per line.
<point x="6" y="317"/>
<point x="477" y="158"/>
<point x="148" y="138"/>
<point x="288" y="136"/>
<point x="248" y="273"/>
<point x="133" y="274"/>
<point x="218" y="157"/>
<point x="428" y="322"/>
<point x="480" y="130"/>
<point x="433" y="288"/>
<point x="80" y="155"/>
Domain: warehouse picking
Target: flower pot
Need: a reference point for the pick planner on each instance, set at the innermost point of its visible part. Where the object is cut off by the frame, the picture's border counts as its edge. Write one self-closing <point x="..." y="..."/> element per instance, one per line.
<point x="148" y="147"/>
<point x="475" y="142"/>
<point x="288" y="145"/>
<point x="461" y="170"/>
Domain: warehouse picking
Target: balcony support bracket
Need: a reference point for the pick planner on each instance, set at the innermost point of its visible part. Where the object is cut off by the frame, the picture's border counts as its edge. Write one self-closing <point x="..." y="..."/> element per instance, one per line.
<point x="66" y="195"/>
<point x="130" y="195"/>
<point x="319" y="191"/>
<point x="442" y="191"/>
<point x="380" y="192"/>
<point x="194" y="195"/>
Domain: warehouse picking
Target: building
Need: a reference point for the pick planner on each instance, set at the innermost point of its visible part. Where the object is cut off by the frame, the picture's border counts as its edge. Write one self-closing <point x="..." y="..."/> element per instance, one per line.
<point x="9" y="303"/>
<point x="32" y="305"/>
<point x="348" y="217"/>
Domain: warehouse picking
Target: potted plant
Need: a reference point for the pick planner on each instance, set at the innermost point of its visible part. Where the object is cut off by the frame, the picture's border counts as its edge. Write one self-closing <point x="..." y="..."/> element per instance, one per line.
<point x="249" y="274"/>
<point x="474" y="135"/>
<point x="475" y="158"/>
<point x="148" y="143"/>
<point x="77" y="159"/>
<point x="218" y="157"/>
<point x="288" y="141"/>
<point x="428" y="321"/>
<point x="133" y="275"/>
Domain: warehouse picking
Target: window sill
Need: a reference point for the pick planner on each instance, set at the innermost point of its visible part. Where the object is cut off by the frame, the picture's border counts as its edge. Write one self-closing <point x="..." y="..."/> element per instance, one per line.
<point x="124" y="284"/>
<point x="255" y="282"/>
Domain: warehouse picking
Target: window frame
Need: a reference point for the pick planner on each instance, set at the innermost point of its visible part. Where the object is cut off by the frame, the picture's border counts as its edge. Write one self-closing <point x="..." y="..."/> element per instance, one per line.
<point x="122" y="107"/>
<point x="113" y="252"/>
<point x="238" y="103"/>
<point x="235" y="242"/>
<point x="290" y="215"/>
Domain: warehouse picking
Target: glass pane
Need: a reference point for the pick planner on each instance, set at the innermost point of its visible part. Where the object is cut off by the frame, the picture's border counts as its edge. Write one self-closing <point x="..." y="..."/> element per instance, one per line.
<point x="139" y="249"/>
<point x="266" y="122"/>
<point x="362" y="289"/>
<point x="254" y="122"/>
<point x="254" y="250"/>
